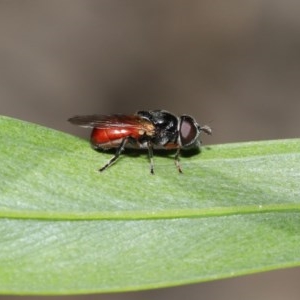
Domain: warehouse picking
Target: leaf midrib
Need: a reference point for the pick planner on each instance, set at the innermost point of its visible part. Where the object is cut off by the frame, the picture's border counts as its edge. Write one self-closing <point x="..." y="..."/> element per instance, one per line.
<point x="148" y="215"/>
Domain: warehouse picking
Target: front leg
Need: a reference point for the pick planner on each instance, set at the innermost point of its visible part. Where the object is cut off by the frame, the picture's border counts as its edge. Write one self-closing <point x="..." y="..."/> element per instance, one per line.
<point x="177" y="160"/>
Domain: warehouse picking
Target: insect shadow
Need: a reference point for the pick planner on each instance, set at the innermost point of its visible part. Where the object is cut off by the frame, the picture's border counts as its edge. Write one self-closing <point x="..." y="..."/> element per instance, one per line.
<point x="169" y="154"/>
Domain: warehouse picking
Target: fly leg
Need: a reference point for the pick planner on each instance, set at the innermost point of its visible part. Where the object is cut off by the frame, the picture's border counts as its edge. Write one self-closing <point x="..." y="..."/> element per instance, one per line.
<point x="177" y="160"/>
<point x="150" y="151"/>
<point x="115" y="157"/>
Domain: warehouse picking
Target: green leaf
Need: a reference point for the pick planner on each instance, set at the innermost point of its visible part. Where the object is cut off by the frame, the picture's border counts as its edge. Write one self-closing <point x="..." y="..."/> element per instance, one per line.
<point x="65" y="228"/>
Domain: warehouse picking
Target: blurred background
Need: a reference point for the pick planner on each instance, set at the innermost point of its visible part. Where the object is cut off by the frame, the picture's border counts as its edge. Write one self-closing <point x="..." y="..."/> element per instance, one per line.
<point x="234" y="65"/>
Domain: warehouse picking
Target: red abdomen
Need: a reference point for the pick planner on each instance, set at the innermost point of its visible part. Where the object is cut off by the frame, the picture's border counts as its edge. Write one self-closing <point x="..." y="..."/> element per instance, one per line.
<point x="111" y="137"/>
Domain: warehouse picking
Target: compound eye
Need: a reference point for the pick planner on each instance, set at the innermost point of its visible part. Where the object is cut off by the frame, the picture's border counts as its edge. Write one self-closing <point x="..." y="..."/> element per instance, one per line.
<point x="188" y="131"/>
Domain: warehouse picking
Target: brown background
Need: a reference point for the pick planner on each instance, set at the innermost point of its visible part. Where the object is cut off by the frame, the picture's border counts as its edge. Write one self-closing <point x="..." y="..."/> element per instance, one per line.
<point x="232" y="64"/>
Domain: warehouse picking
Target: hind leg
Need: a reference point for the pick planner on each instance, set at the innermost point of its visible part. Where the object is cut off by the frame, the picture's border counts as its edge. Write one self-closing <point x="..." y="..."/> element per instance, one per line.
<point x="120" y="149"/>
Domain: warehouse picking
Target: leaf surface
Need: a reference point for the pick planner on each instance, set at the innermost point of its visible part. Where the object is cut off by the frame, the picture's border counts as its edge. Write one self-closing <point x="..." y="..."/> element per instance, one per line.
<point x="65" y="228"/>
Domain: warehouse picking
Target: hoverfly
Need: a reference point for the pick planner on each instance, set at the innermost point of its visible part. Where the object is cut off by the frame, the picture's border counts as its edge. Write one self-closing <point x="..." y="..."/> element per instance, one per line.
<point x="154" y="129"/>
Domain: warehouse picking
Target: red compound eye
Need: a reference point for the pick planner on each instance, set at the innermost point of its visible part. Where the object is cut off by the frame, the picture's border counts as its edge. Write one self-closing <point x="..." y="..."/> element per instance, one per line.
<point x="188" y="130"/>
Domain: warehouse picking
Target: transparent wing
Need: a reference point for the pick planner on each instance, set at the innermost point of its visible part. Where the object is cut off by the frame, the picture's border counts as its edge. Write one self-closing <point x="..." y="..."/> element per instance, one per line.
<point x="110" y="121"/>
